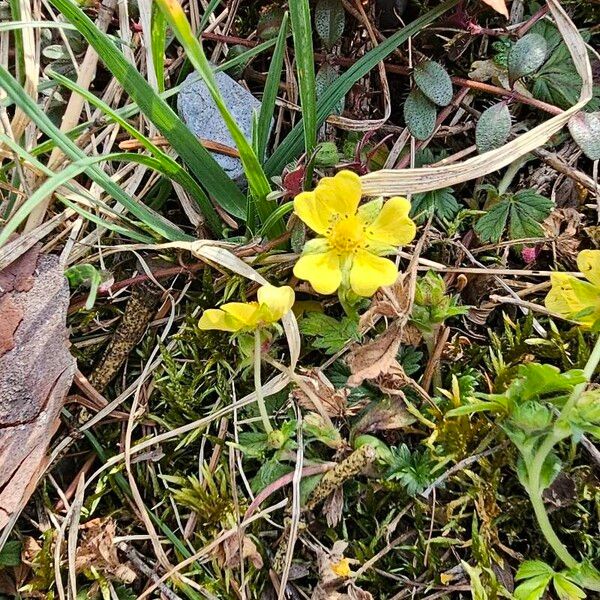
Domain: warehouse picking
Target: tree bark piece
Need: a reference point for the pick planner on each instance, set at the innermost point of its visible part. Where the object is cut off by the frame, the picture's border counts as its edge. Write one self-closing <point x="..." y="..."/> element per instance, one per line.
<point x="36" y="371"/>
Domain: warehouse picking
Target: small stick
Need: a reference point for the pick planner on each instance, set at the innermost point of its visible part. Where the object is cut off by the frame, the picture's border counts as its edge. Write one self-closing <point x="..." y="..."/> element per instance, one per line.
<point x="162" y="141"/>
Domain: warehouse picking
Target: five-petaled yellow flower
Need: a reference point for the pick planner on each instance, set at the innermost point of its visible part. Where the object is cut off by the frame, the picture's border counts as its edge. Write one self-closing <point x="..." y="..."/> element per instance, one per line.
<point x="573" y="298"/>
<point x="273" y="303"/>
<point x="352" y="239"/>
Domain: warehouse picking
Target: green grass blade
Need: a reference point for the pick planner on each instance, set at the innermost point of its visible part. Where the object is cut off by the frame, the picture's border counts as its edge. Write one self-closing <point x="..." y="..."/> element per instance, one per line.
<point x="154" y="221"/>
<point x="257" y="181"/>
<point x="158" y="39"/>
<point x="62" y="177"/>
<point x="292" y="145"/>
<point x="305" y="66"/>
<point x="270" y="92"/>
<point x="183" y="141"/>
<point x="170" y="166"/>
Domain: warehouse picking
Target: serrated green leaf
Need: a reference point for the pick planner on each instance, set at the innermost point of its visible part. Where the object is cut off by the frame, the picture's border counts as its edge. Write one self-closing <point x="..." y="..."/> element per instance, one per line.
<point x="585" y="129"/>
<point x="440" y="202"/>
<point x="493" y="128"/>
<point x="531" y="417"/>
<point x="330" y="335"/>
<point x="329" y="21"/>
<point x="521" y="212"/>
<point x="550" y="470"/>
<point x="533" y="568"/>
<point x="566" y="589"/>
<point x="420" y="114"/>
<point x="491" y="226"/>
<point x="527" y="56"/>
<point x="532" y="589"/>
<point x="433" y="80"/>
<point x="536" y="380"/>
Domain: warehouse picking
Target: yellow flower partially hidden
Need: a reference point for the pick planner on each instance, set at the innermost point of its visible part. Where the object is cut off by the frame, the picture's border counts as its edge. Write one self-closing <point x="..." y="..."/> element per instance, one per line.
<point x="273" y="303"/>
<point x="352" y="239"/>
<point x="573" y="298"/>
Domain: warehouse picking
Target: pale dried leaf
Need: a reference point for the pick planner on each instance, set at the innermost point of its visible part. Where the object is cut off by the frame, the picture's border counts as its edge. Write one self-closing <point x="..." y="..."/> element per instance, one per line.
<point x="97" y="549"/>
<point x="371" y="360"/>
<point x="227" y="552"/>
<point x="332" y="507"/>
<point x="389" y="413"/>
<point x="333" y="402"/>
<point x="498" y="5"/>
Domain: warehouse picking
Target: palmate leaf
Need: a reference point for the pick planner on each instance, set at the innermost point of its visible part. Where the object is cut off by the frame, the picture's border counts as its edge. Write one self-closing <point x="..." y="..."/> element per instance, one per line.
<point x="442" y="203"/>
<point x="520" y="214"/>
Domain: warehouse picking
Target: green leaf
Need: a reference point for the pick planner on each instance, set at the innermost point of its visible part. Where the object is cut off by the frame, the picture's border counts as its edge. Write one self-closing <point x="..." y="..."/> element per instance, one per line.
<point x="566" y="589"/>
<point x="331" y="335"/>
<point x="531" y="417"/>
<point x="477" y="590"/>
<point x="520" y="213"/>
<point x="493" y="128"/>
<point x="292" y="145"/>
<point x="440" y="202"/>
<point x="532" y="589"/>
<point x="585" y="129"/>
<point x="329" y="21"/>
<point x="86" y="275"/>
<point x="433" y="80"/>
<point x="10" y="555"/>
<point x="526" y="56"/>
<point x="420" y="114"/>
<point x="270" y="92"/>
<point x="325" y="77"/>
<point x="550" y="470"/>
<point x="533" y="568"/>
<point x="536" y="380"/>
<point x="199" y="160"/>
<point x="305" y="67"/>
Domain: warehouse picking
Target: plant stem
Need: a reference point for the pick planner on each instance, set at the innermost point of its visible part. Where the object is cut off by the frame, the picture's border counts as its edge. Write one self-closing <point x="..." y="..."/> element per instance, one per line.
<point x="534" y="472"/>
<point x="264" y="415"/>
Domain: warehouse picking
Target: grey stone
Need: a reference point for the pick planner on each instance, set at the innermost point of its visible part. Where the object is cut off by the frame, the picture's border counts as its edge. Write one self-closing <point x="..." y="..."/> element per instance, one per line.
<point x="199" y="112"/>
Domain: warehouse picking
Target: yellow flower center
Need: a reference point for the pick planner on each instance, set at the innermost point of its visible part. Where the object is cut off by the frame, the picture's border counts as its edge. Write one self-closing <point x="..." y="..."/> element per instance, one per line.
<point x="347" y="235"/>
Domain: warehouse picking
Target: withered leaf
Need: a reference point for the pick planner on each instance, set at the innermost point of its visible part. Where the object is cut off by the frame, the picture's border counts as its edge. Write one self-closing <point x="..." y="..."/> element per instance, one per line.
<point x="35" y="374"/>
<point x="332" y="401"/>
<point x="370" y="360"/>
<point x="227" y="552"/>
<point x="387" y="414"/>
<point x="97" y="549"/>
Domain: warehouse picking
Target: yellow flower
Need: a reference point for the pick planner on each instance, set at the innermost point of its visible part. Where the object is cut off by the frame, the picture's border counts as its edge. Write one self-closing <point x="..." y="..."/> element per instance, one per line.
<point x="353" y="239"/>
<point x="573" y="298"/>
<point x="273" y="303"/>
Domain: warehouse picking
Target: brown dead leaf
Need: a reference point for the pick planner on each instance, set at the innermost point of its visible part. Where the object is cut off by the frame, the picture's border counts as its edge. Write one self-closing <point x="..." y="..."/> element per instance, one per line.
<point x="97" y="549"/>
<point x="393" y="301"/>
<point x="227" y="552"/>
<point x="36" y="371"/>
<point x="371" y="360"/>
<point x="389" y="413"/>
<point x="562" y="226"/>
<point x="333" y="402"/>
<point x="498" y="5"/>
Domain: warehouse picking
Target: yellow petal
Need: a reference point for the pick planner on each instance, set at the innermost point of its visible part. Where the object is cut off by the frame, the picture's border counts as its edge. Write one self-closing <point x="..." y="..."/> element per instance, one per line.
<point x="574" y="299"/>
<point x="340" y="194"/>
<point x="279" y="300"/>
<point x="321" y="270"/>
<point x="370" y="272"/>
<point x="313" y="214"/>
<point x="588" y="262"/>
<point x="213" y="318"/>
<point x="341" y="568"/>
<point x="246" y="313"/>
<point x="393" y="227"/>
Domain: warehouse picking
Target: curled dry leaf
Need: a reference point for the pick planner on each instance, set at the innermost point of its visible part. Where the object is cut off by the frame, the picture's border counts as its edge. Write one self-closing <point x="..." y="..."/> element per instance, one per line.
<point x="97" y="549"/>
<point x="388" y="414"/>
<point x="36" y="371"/>
<point x="227" y="552"/>
<point x="374" y="358"/>
<point x="333" y="402"/>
